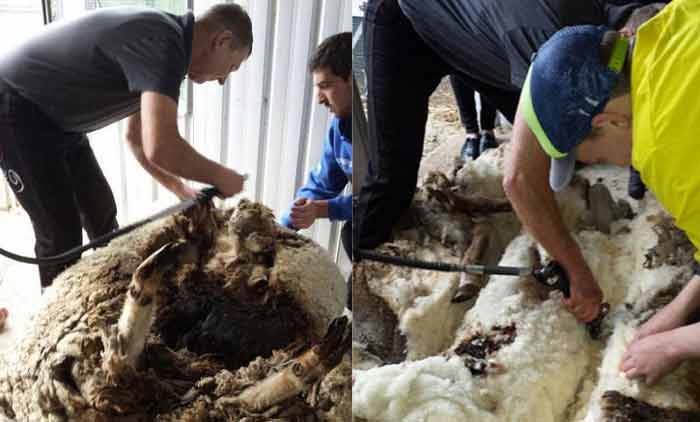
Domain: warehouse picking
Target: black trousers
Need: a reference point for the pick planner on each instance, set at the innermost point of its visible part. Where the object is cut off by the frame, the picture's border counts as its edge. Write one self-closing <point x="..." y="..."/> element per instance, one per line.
<point x="402" y="72"/>
<point x="56" y="179"/>
<point x="464" y="95"/>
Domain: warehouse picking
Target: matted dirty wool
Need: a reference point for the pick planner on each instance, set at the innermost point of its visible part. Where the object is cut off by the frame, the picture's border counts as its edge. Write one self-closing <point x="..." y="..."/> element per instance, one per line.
<point x="514" y="353"/>
<point x="206" y="316"/>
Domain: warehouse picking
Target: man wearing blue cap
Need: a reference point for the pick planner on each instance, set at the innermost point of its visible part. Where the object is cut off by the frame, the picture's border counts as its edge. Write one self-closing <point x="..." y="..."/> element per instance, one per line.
<point x="412" y="44"/>
<point x="578" y="103"/>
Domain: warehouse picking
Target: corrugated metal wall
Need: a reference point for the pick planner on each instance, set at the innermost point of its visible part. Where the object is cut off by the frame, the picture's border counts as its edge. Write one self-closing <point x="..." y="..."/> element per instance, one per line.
<point x="263" y="122"/>
<point x="358" y="52"/>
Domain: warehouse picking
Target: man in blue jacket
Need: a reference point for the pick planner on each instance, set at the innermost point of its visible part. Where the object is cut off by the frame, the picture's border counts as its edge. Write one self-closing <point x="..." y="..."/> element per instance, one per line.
<point x="321" y="196"/>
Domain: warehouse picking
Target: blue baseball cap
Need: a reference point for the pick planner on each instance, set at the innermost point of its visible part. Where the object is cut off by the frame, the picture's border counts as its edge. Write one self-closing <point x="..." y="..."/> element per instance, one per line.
<point x="566" y="86"/>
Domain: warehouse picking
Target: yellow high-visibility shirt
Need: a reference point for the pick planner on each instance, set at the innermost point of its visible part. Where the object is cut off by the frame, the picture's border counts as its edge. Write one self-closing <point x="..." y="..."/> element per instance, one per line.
<point x="666" y="111"/>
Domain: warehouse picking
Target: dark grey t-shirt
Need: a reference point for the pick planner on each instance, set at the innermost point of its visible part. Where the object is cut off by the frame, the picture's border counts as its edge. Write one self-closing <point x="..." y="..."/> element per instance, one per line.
<point x="88" y="72"/>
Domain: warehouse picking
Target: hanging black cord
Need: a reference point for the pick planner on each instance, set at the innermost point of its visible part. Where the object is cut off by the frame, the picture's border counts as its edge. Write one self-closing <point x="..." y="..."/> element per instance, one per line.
<point x="552" y="275"/>
<point x="440" y="266"/>
<point x="205" y="195"/>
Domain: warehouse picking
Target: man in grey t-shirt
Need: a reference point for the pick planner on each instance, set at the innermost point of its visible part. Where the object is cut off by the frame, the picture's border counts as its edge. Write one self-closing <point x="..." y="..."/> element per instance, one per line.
<point x="82" y="74"/>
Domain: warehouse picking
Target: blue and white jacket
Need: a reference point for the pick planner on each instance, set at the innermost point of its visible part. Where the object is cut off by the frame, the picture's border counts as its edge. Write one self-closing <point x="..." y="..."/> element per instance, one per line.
<point x="331" y="175"/>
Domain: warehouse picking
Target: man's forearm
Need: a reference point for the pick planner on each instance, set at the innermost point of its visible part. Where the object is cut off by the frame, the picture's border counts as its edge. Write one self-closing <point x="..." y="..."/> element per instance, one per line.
<point x="688" y="300"/>
<point x="179" y="158"/>
<point x="169" y="181"/>
<point x="539" y="214"/>
<point x="134" y="139"/>
<point x="688" y="344"/>
<point x="526" y="184"/>
<point x="165" y="148"/>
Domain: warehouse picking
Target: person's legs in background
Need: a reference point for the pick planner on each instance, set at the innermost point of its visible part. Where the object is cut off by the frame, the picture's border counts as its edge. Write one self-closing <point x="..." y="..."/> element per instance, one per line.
<point x="505" y="101"/>
<point x="635" y="187"/>
<point x="487" y="118"/>
<point x="492" y="100"/>
<point x="402" y="72"/>
<point x="466" y="104"/>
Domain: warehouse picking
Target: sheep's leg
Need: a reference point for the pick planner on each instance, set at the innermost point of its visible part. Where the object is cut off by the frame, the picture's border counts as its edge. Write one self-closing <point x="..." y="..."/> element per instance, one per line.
<point x="441" y="188"/>
<point x="471" y="284"/>
<point x="136" y="318"/>
<point x="302" y="372"/>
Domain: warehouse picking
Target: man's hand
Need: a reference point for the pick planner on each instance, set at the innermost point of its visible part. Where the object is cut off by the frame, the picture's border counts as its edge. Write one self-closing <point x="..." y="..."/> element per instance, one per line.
<point x="304" y="212"/>
<point x="229" y="182"/>
<point x="674" y="314"/>
<point x="183" y="192"/>
<point x="652" y="357"/>
<point x="586" y="296"/>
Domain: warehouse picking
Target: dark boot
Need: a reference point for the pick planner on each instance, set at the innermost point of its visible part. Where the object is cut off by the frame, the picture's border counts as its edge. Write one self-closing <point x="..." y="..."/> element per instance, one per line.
<point x="470" y="149"/>
<point x="635" y="187"/>
<point x="488" y="141"/>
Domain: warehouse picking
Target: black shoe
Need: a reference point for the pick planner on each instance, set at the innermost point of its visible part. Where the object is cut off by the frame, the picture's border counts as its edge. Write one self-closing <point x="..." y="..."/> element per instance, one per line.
<point x="470" y="149"/>
<point x="635" y="187"/>
<point x="488" y="141"/>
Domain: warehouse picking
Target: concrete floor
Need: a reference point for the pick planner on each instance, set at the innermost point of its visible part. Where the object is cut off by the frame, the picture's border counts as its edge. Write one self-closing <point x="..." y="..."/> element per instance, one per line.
<point x="20" y="290"/>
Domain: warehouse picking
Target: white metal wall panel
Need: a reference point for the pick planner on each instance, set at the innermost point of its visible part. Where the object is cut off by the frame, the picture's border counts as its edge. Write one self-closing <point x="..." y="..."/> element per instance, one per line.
<point x="207" y="112"/>
<point x="248" y="109"/>
<point x="111" y="154"/>
<point x="7" y="198"/>
<point x="136" y="193"/>
<point x="207" y="120"/>
<point x="289" y="84"/>
<point x="18" y="20"/>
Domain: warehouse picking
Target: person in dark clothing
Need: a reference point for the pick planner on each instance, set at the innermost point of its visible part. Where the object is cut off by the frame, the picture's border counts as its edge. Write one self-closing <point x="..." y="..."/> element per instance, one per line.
<point x="477" y="141"/>
<point x="77" y="76"/>
<point x="412" y="44"/>
<point x="636" y="188"/>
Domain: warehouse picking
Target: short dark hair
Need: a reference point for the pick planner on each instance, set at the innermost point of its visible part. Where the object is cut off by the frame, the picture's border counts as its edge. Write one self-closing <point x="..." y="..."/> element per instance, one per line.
<point x="641" y="15"/>
<point x="624" y="78"/>
<point x="231" y="17"/>
<point x="335" y="53"/>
